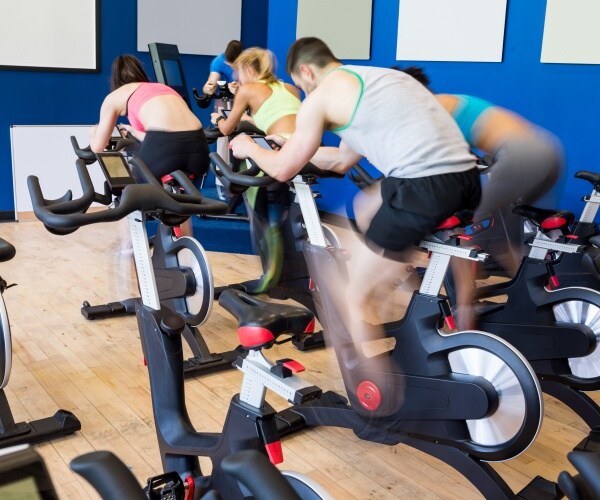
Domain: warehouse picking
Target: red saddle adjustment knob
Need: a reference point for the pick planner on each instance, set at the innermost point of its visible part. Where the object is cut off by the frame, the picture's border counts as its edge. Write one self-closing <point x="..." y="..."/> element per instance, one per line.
<point x="286" y="367"/>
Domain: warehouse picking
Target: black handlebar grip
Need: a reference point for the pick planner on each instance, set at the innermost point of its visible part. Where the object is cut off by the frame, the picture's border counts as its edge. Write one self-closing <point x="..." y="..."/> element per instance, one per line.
<point x="7" y="250"/>
<point x="63" y="205"/>
<point x="108" y="475"/>
<point x="246" y="178"/>
<point x="260" y="476"/>
<point x="312" y="169"/>
<point x="85" y="154"/>
<point x="587" y="464"/>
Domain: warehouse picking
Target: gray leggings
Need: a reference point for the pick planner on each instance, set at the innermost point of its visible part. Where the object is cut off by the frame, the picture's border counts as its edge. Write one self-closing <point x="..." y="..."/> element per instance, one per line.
<point x="526" y="169"/>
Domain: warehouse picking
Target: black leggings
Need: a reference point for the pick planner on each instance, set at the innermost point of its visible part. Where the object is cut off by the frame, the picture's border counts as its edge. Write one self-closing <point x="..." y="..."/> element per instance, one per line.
<point x="165" y="152"/>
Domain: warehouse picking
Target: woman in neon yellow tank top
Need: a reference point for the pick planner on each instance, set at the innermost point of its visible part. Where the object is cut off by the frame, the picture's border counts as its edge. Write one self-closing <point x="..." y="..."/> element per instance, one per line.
<point x="273" y="105"/>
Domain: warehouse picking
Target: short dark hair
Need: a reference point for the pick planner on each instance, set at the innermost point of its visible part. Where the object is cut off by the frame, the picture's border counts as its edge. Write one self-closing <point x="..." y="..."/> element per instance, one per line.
<point x="309" y="50"/>
<point x="416" y="72"/>
<point x="233" y="50"/>
<point x="127" y="69"/>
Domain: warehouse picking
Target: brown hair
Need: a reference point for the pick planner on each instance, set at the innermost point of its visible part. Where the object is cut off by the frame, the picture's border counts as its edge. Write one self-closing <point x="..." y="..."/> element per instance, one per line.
<point x="233" y="50"/>
<point x="127" y="69"/>
<point x="416" y="72"/>
<point x="309" y="50"/>
<point x="260" y="60"/>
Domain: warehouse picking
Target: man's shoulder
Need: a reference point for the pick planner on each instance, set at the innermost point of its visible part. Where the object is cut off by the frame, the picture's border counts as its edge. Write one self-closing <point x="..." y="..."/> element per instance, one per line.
<point x="218" y="62"/>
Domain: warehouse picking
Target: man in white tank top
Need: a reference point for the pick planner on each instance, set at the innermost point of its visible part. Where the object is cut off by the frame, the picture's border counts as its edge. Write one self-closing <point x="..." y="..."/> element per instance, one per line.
<point x="395" y="123"/>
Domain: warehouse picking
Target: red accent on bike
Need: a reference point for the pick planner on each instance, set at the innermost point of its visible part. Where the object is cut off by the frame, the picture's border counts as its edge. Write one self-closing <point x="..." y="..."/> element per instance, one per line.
<point x="571" y="236"/>
<point x="553" y="283"/>
<point x="191" y="488"/>
<point x="553" y="222"/>
<point x="177" y="231"/>
<point x="311" y="284"/>
<point x="310" y="328"/>
<point x="294" y="365"/>
<point x="165" y="179"/>
<point x="254" y="336"/>
<point x="450" y="323"/>
<point x="449" y="223"/>
<point x="369" y="395"/>
<point x="275" y="452"/>
<point x="467" y="237"/>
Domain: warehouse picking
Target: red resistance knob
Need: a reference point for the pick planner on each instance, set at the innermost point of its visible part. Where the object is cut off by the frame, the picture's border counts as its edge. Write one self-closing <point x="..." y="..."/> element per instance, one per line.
<point x="369" y="395"/>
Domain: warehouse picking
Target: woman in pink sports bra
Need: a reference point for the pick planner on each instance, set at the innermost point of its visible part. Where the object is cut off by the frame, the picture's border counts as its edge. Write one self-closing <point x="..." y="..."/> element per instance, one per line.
<point x="171" y="135"/>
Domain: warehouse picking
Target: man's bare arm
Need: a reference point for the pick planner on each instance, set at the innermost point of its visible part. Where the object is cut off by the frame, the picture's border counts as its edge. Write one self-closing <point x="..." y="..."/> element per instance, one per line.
<point x="211" y="83"/>
<point x="340" y="159"/>
<point x="297" y="150"/>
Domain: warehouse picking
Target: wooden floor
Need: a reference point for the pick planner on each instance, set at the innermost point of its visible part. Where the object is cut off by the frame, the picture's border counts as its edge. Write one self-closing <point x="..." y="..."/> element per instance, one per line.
<point x="95" y="369"/>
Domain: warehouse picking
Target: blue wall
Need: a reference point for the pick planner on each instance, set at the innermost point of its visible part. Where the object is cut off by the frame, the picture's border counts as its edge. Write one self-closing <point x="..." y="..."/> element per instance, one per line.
<point x="47" y="98"/>
<point x="559" y="97"/>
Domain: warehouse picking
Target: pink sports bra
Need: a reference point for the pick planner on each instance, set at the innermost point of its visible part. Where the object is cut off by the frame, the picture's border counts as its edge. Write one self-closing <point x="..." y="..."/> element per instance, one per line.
<point x="140" y="96"/>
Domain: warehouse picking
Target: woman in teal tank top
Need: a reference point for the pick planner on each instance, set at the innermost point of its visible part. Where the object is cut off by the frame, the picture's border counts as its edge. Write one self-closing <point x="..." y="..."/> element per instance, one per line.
<point x="529" y="161"/>
<point x="467" y="112"/>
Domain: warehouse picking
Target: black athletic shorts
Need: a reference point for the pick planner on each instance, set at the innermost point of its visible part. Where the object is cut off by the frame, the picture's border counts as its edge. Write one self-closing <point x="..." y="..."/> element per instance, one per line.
<point x="412" y="208"/>
<point x="165" y="152"/>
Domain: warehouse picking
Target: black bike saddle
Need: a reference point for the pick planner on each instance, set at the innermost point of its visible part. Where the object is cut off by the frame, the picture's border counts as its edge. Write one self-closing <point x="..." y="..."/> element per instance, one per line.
<point x="260" y="323"/>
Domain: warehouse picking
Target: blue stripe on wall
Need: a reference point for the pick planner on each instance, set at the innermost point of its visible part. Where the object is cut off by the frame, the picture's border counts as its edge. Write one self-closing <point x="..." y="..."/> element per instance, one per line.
<point x="561" y="98"/>
<point x="46" y="98"/>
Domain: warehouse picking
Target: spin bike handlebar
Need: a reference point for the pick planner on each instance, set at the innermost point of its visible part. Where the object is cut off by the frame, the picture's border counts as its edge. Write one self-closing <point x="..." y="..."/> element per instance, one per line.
<point x="203" y="100"/>
<point x="243" y="127"/>
<point x="149" y="197"/>
<point x="116" y="144"/>
<point x="108" y="475"/>
<point x="251" y="177"/>
<point x="246" y="178"/>
<point x="66" y="204"/>
<point x="7" y="250"/>
<point x="86" y="154"/>
<point x="361" y="177"/>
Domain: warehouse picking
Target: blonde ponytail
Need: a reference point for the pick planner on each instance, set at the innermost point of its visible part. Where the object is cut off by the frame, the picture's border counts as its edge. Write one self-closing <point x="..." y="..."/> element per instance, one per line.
<point x="262" y="61"/>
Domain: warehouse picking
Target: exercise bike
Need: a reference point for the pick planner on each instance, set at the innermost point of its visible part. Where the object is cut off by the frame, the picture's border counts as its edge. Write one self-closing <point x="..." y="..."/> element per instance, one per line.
<point x="468" y="397"/>
<point x="184" y="277"/>
<point x="576" y="268"/>
<point x="23" y="474"/>
<point x="62" y="423"/>
<point x="250" y="422"/>
<point x="556" y="329"/>
<point x="290" y="280"/>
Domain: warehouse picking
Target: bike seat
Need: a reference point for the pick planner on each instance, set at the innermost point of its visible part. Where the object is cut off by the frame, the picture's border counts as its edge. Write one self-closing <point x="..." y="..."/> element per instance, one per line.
<point x="260" y="323"/>
<point x="460" y="219"/>
<point x="7" y="251"/>
<point x="545" y="218"/>
<point x="592" y="177"/>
